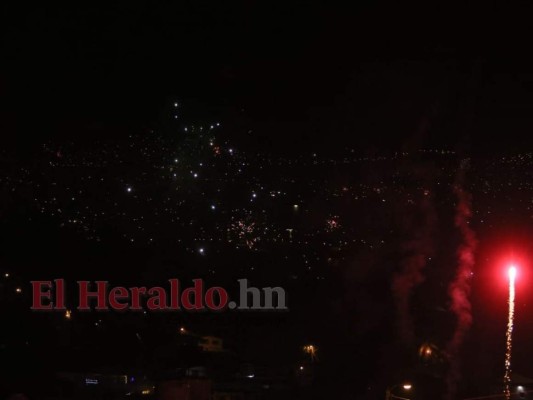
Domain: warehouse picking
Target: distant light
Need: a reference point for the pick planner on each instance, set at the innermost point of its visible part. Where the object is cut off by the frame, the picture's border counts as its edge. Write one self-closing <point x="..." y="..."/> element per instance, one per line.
<point x="195" y="175"/>
<point x="91" y="381"/>
<point x="175" y="160"/>
<point x="407" y="386"/>
<point x="211" y="127"/>
<point x="18" y="290"/>
<point x="250" y="376"/>
<point x="182" y="330"/>
<point x="129" y="189"/>
<point x="254" y="195"/>
<point x="213" y="207"/>
<point x="175" y="104"/>
<point x="6" y="274"/>
<point x="218" y="123"/>
<point x="520" y="388"/>
<point x="295" y="206"/>
<point x="231" y="150"/>
<point x="309" y="348"/>
<point x="68" y="314"/>
<point x="301" y="368"/>
<point x="146" y="391"/>
<point x="201" y="250"/>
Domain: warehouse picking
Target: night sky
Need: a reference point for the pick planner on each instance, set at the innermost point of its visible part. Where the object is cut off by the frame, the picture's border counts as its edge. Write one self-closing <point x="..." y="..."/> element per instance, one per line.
<point x="370" y="74"/>
<point x="364" y="157"/>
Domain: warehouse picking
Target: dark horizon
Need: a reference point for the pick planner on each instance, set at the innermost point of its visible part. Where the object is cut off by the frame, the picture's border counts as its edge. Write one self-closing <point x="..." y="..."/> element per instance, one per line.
<point x="370" y="77"/>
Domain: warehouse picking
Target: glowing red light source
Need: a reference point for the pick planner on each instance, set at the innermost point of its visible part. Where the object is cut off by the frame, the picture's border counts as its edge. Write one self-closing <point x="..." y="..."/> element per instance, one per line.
<point x="512" y="272"/>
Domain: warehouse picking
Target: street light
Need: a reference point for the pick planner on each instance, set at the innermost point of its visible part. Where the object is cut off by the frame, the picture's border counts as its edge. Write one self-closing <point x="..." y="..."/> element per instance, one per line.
<point x="389" y="395"/>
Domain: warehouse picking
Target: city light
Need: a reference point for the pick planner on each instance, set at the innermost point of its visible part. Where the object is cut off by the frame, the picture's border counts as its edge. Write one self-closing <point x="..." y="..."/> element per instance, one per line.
<point x="389" y="393"/>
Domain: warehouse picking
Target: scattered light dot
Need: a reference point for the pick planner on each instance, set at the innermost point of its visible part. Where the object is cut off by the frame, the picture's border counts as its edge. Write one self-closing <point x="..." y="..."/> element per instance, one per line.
<point x="18" y="290"/>
<point x="213" y="207"/>
<point x="201" y="250"/>
<point x="6" y="275"/>
<point x="129" y="189"/>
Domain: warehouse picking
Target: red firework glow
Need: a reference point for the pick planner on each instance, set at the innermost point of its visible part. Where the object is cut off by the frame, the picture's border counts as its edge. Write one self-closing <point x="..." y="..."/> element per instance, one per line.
<point x="512" y="273"/>
<point x="493" y="274"/>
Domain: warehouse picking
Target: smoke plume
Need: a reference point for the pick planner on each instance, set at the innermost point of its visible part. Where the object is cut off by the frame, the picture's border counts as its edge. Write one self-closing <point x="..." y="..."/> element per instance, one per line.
<point x="417" y="250"/>
<point x="459" y="289"/>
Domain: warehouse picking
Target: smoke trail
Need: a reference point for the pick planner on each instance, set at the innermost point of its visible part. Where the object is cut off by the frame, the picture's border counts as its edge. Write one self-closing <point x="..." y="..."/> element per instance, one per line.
<point x="509" y="334"/>
<point x="459" y="289"/>
<point x="418" y="249"/>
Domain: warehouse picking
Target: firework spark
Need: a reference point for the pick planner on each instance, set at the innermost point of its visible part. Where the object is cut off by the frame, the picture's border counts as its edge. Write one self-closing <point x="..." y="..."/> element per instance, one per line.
<point x="311" y="350"/>
<point x="509" y="334"/>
